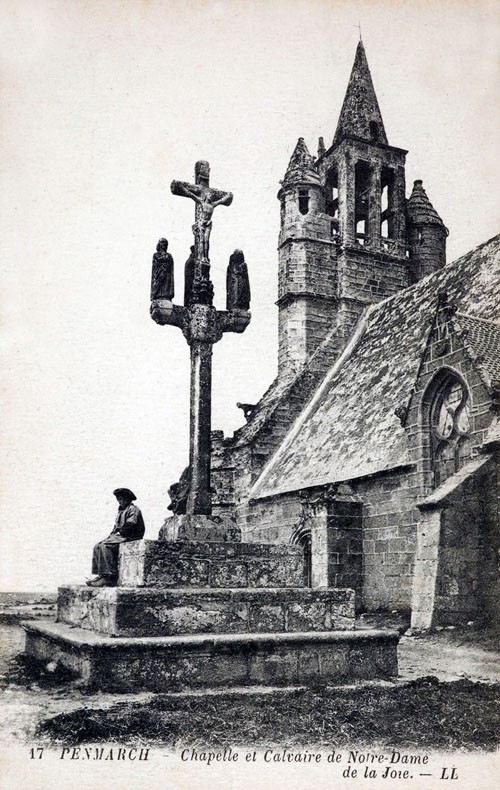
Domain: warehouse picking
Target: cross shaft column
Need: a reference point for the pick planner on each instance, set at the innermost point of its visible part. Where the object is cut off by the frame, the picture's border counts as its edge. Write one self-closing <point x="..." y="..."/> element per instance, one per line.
<point x="202" y="326"/>
<point x="199" y="500"/>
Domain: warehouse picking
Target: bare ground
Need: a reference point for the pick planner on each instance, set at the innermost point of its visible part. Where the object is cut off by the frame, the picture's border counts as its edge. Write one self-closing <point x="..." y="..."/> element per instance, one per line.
<point x="448" y="655"/>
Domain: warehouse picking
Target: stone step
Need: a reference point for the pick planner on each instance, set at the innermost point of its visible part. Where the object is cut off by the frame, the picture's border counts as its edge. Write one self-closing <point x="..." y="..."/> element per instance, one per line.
<point x="168" y="663"/>
<point x="122" y="611"/>
<point x="159" y="563"/>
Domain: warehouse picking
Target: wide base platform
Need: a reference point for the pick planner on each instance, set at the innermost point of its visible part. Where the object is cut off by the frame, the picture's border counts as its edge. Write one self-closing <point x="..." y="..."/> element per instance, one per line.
<point x="166" y="663"/>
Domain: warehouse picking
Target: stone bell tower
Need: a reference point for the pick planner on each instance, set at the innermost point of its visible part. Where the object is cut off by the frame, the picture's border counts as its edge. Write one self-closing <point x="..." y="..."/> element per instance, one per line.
<point x="343" y="239"/>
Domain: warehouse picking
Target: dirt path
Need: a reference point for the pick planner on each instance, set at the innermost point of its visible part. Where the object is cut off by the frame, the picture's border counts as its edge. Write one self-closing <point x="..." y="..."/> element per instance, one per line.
<point x="446" y="660"/>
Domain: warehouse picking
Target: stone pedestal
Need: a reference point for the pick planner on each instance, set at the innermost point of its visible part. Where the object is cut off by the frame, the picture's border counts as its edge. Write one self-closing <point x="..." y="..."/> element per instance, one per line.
<point x="181" y="563"/>
<point x="211" y="529"/>
<point x="168" y="663"/>
<point x="198" y="614"/>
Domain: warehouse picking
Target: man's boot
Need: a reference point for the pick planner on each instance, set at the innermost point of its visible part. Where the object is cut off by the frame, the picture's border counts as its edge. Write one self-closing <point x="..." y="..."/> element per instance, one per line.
<point x="104" y="581"/>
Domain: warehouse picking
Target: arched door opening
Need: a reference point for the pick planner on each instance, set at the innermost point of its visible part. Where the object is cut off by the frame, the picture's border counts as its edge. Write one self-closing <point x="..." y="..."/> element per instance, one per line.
<point x="302" y="537"/>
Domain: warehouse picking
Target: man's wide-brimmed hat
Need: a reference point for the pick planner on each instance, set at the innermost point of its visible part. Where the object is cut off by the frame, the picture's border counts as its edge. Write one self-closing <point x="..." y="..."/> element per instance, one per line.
<point x="125" y="492"/>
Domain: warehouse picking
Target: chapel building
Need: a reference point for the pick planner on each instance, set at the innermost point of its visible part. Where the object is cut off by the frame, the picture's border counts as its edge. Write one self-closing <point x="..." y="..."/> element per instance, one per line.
<point x="377" y="445"/>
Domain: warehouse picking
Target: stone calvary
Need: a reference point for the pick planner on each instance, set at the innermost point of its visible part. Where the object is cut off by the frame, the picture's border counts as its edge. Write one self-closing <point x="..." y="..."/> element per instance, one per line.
<point x="199" y="607"/>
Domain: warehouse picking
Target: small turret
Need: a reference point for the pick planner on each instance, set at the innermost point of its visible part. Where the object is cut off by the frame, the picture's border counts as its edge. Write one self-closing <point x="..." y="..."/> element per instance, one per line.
<point x="301" y="166"/>
<point x="301" y="190"/>
<point x="306" y="285"/>
<point x="426" y="234"/>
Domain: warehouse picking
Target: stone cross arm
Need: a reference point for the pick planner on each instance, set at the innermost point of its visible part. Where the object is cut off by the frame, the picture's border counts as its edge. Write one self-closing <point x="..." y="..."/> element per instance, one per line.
<point x="205" y="196"/>
<point x="199" y="322"/>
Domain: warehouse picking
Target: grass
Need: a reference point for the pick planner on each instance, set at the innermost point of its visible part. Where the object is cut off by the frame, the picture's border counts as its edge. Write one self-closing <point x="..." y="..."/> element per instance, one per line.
<point x="424" y="713"/>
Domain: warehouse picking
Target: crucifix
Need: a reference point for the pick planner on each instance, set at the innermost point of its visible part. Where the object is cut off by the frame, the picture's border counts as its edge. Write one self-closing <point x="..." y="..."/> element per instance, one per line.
<point x="202" y="326"/>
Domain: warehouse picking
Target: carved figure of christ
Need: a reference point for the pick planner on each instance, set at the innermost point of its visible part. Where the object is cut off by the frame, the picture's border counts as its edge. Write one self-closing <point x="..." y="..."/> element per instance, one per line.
<point x="206" y="200"/>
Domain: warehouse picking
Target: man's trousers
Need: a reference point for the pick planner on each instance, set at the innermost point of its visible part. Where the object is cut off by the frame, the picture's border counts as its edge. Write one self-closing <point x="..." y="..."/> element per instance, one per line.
<point x="105" y="555"/>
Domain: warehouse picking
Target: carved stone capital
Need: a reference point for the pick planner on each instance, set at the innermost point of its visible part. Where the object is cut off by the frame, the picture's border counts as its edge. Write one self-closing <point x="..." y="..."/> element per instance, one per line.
<point x="200" y="322"/>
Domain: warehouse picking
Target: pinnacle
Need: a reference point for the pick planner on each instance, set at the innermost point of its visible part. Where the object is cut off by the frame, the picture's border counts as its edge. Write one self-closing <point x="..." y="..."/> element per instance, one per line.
<point x="420" y="208"/>
<point x="360" y="115"/>
<point x="301" y="166"/>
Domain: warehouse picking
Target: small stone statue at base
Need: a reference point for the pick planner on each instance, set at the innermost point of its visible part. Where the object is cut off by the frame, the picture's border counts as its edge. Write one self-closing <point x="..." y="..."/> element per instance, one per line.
<point x="189" y="277"/>
<point x="179" y="493"/>
<point x="237" y="283"/>
<point x="162" y="275"/>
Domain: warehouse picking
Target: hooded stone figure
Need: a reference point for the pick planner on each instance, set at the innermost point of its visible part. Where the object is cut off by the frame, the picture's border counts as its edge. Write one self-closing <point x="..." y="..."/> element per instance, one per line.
<point x="189" y="276"/>
<point x="237" y="283"/>
<point x="162" y="275"/>
<point x="179" y="493"/>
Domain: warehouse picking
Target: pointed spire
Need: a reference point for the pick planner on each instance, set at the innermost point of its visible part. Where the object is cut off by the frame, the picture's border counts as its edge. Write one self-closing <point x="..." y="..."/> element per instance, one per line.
<point x="301" y="166"/>
<point x="360" y="115"/>
<point x="420" y="209"/>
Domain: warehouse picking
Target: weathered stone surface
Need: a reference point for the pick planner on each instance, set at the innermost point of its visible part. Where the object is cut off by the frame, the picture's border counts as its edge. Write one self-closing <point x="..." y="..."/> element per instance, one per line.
<point x="149" y="563"/>
<point x="218" y="529"/>
<point x="165" y="663"/>
<point x="126" y="612"/>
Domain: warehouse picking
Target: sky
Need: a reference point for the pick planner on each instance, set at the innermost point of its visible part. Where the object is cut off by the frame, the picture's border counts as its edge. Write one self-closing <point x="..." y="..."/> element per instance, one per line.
<point x="103" y="103"/>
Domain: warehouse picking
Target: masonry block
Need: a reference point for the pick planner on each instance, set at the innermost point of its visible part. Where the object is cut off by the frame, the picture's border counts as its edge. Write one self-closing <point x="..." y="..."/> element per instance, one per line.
<point x="150" y="563"/>
<point x="162" y="664"/>
<point x="125" y="612"/>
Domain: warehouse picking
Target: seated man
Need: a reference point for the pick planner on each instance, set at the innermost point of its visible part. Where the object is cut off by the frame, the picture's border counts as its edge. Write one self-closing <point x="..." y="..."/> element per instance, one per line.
<point x="129" y="525"/>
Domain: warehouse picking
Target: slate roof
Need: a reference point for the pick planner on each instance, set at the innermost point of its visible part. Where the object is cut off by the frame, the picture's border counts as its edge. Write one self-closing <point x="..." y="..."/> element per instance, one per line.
<point x="484" y="338"/>
<point x="349" y="428"/>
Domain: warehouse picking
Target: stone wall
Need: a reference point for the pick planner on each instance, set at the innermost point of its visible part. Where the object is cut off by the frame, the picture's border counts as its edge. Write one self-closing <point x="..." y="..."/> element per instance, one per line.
<point x="428" y="249"/>
<point x="366" y="277"/>
<point x="307" y="291"/>
<point x="273" y="520"/>
<point x="365" y="541"/>
<point x="389" y="534"/>
<point x="344" y="529"/>
<point x="467" y="580"/>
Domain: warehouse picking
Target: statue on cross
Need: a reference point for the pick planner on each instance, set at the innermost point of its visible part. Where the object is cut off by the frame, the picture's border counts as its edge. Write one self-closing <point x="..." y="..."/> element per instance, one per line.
<point x="206" y="199"/>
